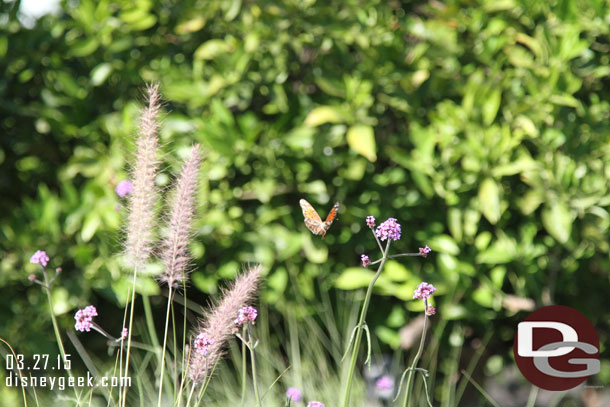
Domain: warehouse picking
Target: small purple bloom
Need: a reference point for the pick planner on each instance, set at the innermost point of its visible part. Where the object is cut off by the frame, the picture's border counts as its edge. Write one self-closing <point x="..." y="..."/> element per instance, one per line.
<point x="384" y="387"/>
<point x="423" y="251"/>
<point x="294" y="394"/>
<point x="32" y="277"/>
<point x="246" y="314"/>
<point x="430" y="311"/>
<point x="84" y="318"/>
<point x="90" y="311"/>
<point x="424" y="291"/>
<point x="202" y="344"/>
<point x="124" y="188"/>
<point x="315" y="404"/>
<point x="40" y="257"/>
<point x="370" y="221"/>
<point x="390" y="229"/>
<point x="365" y="260"/>
<point x="124" y="333"/>
<point x="384" y="383"/>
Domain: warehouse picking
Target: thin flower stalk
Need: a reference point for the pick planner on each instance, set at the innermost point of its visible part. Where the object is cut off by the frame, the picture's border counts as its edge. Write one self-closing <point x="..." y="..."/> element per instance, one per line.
<point x="175" y="251"/>
<point x="247" y="318"/>
<point x="424" y="291"/>
<point x="360" y="327"/>
<point x="389" y="230"/>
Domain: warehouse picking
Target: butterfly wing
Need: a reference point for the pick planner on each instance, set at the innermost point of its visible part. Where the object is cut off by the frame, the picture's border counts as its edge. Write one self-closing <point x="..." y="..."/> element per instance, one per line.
<point x="331" y="216"/>
<point x="312" y="219"/>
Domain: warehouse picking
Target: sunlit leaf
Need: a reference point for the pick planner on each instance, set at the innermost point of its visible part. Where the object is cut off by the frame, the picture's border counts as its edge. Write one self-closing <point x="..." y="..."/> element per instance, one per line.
<point x="557" y="220"/>
<point x="361" y="139"/>
<point x="489" y="198"/>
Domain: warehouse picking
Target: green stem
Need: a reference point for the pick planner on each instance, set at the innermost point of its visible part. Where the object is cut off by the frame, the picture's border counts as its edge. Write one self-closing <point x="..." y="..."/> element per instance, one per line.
<point x="244" y="373"/>
<point x="415" y="360"/>
<point x="258" y="398"/>
<point x="130" y="329"/>
<point x="53" y="320"/>
<point x="359" y="328"/>
<point x="532" y="397"/>
<point x="169" y="301"/>
<point x="188" y="400"/>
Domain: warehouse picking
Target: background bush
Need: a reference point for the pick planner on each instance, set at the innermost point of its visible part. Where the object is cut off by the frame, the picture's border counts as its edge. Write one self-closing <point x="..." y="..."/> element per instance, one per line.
<point x="482" y="126"/>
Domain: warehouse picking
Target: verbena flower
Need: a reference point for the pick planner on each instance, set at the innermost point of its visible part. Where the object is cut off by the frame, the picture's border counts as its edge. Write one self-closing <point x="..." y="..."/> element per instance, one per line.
<point x="32" y="277"/>
<point x="424" y="251"/>
<point x="294" y="394"/>
<point x="246" y="314"/>
<point x="124" y="188"/>
<point x="370" y="221"/>
<point x="365" y="260"/>
<point x="390" y="229"/>
<point x="384" y="386"/>
<point x="84" y="318"/>
<point x="124" y="333"/>
<point x="384" y="383"/>
<point x="40" y="257"/>
<point x="203" y="344"/>
<point x="315" y="404"/>
<point x="424" y="291"/>
<point x="430" y="311"/>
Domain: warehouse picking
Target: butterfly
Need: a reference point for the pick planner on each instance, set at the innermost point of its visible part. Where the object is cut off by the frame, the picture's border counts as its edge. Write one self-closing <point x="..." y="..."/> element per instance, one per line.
<point x="313" y="220"/>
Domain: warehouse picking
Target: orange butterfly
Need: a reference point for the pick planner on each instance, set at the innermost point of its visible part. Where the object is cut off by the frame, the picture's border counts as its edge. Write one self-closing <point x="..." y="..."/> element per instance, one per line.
<point x="313" y="220"/>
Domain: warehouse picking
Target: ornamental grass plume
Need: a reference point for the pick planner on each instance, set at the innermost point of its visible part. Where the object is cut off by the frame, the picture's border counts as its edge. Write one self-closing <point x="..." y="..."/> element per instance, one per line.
<point x="218" y="323"/>
<point x="174" y="253"/>
<point x="142" y="199"/>
<point x="138" y="244"/>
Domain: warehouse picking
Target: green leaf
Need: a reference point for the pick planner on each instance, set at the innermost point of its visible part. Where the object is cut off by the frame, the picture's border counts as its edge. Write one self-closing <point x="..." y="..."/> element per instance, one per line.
<point x="484" y="296"/>
<point x="210" y="49"/>
<point x="323" y="114"/>
<point x="193" y="25"/>
<point x="354" y="277"/>
<point x="100" y="73"/>
<point x="491" y="106"/>
<point x="92" y="222"/>
<point x="489" y="198"/>
<point x="454" y="219"/>
<point x="444" y="244"/>
<point x="361" y="138"/>
<point x="557" y="220"/>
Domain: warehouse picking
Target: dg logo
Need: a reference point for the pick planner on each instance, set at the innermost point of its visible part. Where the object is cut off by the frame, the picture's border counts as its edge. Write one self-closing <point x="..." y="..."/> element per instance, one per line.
<point x="556" y="348"/>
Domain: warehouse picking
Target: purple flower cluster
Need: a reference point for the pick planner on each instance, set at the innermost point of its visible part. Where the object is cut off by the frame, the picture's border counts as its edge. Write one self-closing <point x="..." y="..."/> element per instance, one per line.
<point x="202" y="344"/>
<point x="384" y="383"/>
<point x="430" y="311"/>
<point x="315" y="404"/>
<point x="246" y="314"/>
<point x="423" y="251"/>
<point x="365" y="260"/>
<point x="424" y="291"/>
<point x="294" y="394"/>
<point x="40" y="257"/>
<point x="84" y="318"/>
<point x="370" y="221"/>
<point x="384" y="386"/>
<point x="124" y="333"/>
<point x="124" y="188"/>
<point x="390" y="229"/>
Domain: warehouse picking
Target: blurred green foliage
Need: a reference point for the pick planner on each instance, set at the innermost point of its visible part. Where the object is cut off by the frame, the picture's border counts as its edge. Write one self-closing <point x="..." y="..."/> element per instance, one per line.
<point x="482" y="126"/>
